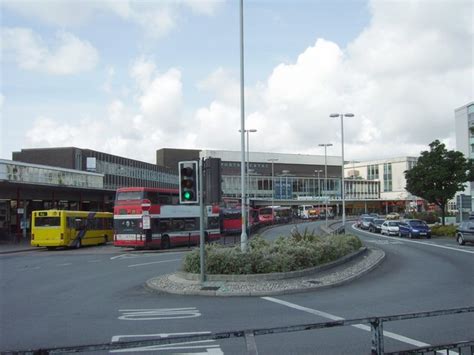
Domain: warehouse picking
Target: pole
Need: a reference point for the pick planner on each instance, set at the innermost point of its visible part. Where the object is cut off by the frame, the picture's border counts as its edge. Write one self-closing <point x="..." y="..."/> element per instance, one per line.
<point x="243" y="236"/>
<point x="319" y="189"/>
<point x="342" y="169"/>
<point x="273" y="187"/>
<point x="326" y="180"/>
<point x="201" y="224"/>
<point x="248" y="179"/>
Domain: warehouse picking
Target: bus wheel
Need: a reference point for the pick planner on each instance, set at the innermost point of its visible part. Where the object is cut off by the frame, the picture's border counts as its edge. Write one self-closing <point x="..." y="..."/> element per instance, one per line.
<point x="165" y="242"/>
<point x="105" y="240"/>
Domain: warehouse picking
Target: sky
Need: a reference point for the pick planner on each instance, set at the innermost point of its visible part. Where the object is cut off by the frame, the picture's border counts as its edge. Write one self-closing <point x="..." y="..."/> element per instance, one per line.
<point x="131" y="77"/>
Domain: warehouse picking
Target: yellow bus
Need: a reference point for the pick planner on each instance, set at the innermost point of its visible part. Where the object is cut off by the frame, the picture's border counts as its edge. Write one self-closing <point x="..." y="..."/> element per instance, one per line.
<point x="60" y="228"/>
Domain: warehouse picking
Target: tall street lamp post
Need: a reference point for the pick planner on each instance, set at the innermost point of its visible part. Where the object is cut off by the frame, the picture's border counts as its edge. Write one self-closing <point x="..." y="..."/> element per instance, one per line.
<point x="342" y="115"/>
<point x="243" y="236"/>
<point x="273" y="160"/>
<point x="326" y="145"/>
<point x="248" y="173"/>
<point x="319" y="186"/>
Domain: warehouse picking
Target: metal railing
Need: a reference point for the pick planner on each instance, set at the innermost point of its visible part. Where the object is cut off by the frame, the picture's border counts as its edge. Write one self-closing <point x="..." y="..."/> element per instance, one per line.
<point x="376" y="328"/>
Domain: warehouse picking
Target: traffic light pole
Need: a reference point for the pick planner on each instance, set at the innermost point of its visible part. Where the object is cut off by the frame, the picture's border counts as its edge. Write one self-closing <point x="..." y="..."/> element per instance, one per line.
<point x="201" y="223"/>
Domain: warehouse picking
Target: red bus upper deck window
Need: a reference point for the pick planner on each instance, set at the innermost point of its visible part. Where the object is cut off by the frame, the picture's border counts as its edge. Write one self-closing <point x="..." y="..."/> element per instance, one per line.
<point x="129" y="195"/>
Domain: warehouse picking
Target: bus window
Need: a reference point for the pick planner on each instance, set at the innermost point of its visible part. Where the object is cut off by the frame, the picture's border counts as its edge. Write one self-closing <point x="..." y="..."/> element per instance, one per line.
<point x="164" y="225"/>
<point x="129" y="195"/>
<point x="191" y="224"/>
<point x="177" y="224"/>
<point x="47" y="222"/>
<point x="213" y="222"/>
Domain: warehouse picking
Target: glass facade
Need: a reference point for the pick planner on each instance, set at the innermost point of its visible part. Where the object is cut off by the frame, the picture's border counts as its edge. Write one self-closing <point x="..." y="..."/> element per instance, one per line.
<point x="298" y="188"/>
<point x="120" y="172"/>
<point x="387" y="177"/>
<point x="372" y="172"/>
<point x="27" y="173"/>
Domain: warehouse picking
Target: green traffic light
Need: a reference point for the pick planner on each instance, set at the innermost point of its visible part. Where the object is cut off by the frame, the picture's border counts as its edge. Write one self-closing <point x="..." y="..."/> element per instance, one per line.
<point x="187" y="195"/>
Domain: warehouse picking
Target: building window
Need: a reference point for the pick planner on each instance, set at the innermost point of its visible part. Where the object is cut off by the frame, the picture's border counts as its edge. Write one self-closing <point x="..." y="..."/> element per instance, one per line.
<point x="387" y="177"/>
<point x="372" y="172"/>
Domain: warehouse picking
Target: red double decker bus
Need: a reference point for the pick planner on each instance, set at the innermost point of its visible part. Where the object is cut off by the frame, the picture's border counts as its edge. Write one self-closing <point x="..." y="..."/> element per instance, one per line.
<point x="152" y="218"/>
<point x="231" y="220"/>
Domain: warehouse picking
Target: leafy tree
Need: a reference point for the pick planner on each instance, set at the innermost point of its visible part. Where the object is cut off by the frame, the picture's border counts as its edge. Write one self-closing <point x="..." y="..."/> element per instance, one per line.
<point x="438" y="175"/>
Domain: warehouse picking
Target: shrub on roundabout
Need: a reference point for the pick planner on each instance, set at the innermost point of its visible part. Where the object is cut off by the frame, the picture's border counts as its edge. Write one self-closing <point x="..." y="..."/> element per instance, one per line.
<point x="299" y="251"/>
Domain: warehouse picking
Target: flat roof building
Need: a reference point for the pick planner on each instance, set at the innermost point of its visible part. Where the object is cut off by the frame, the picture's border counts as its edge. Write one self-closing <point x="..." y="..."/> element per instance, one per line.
<point x="464" y="123"/>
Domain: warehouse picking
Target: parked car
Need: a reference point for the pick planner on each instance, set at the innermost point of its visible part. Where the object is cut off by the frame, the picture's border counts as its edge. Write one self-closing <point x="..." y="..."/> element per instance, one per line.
<point x="361" y="217"/>
<point x="375" y="226"/>
<point x="414" y="228"/>
<point x="365" y="222"/>
<point x="393" y="215"/>
<point x="373" y="214"/>
<point x="389" y="228"/>
<point x="465" y="232"/>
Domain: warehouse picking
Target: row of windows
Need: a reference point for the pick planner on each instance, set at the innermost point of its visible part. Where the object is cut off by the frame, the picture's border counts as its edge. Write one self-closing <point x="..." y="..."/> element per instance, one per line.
<point x="387" y="177"/>
<point x="237" y="165"/>
<point x="165" y="225"/>
<point x="372" y="172"/>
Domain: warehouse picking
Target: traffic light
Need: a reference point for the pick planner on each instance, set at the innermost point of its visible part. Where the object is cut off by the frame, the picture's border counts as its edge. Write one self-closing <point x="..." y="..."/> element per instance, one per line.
<point x="188" y="181"/>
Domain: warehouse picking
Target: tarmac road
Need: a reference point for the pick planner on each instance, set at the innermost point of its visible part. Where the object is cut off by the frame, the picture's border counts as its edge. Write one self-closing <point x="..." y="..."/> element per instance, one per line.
<point x="96" y="295"/>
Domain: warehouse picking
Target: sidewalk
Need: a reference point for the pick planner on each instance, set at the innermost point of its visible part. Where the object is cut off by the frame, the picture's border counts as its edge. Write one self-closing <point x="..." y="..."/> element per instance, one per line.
<point x="8" y="247"/>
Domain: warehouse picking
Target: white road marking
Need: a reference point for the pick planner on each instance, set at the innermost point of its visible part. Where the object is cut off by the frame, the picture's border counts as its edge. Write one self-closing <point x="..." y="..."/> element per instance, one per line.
<point x="384" y="242"/>
<point x="159" y="313"/>
<point x="65" y="264"/>
<point x="395" y="336"/>
<point x="154" y="262"/>
<point x="425" y="243"/>
<point x="211" y="348"/>
<point x="123" y="256"/>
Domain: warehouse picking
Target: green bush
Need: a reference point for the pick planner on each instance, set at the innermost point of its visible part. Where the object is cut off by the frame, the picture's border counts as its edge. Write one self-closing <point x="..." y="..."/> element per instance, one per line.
<point x="440" y="230"/>
<point x="300" y="251"/>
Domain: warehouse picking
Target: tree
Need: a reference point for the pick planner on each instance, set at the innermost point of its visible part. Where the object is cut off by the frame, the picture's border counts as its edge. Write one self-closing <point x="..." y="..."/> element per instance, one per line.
<point x="438" y="174"/>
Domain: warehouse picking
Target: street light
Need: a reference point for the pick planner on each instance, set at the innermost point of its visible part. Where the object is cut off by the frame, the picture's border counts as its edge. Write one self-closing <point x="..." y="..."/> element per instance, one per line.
<point x="273" y="183"/>
<point x="243" y="236"/>
<point x="342" y="115"/>
<point x="248" y="172"/>
<point x="319" y="185"/>
<point x="325" y="145"/>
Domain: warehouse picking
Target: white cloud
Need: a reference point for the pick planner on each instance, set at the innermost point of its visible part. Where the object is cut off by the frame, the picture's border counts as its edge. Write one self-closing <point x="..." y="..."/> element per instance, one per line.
<point x="204" y="7"/>
<point x="69" y="55"/>
<point x="402" y="77"/>
<point x="156" y="18"/>
<point x="134" y="131"/>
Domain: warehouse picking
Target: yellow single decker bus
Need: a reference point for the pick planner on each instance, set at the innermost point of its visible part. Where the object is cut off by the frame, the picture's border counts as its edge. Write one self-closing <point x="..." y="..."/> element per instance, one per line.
<point x="61" y="228"/>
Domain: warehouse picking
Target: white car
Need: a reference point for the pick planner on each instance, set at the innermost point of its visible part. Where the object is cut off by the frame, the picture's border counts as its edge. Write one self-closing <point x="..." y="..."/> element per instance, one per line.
<point x="389" y="228"/>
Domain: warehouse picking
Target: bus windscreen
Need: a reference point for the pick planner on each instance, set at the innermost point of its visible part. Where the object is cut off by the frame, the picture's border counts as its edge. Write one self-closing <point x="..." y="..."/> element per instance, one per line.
<point x="47" y="222"/>
<point x="129" y="195"/>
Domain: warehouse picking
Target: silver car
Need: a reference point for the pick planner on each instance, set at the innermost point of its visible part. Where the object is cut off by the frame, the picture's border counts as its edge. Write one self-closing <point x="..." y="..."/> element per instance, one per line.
<point x="389" y="228"/>
<point x="465" y="232"/>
